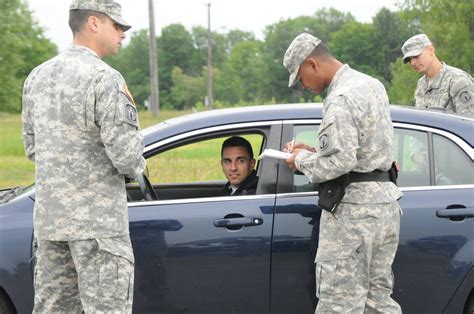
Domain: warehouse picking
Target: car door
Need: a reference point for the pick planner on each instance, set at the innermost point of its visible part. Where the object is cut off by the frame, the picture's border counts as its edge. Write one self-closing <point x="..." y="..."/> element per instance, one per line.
<point x="436" y="250"/>
<point x="436" y="247"/>
<point x="206" y="254"/>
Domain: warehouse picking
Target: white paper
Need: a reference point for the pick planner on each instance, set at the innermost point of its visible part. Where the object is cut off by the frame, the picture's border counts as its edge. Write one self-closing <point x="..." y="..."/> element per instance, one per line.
<point x="273" y="153"/>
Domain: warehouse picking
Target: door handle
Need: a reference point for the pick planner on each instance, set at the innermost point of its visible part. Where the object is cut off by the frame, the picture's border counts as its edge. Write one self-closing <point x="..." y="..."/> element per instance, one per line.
<point x="237" y="222"/>
<point x="455" y="213"/>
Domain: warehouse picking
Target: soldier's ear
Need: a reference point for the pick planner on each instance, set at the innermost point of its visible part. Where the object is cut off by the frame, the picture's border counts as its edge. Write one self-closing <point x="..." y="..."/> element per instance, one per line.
<point x="431" y="49"/>
<point x="313" y="63"/>
<point x="93" y="23"/>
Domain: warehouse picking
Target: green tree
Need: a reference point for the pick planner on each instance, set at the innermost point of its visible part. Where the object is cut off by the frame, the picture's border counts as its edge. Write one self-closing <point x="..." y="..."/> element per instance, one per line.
<point x="24" y="47"/>
<point x="177" y="49"/>
<point x="355" y="44"/>
<point x="391" y="31"/>
<point x="245" y="74"/>
<point x="187" y="90"/>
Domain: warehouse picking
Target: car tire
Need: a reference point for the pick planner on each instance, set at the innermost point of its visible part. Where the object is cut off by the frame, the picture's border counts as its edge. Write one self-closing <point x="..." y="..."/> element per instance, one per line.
<point x="469" y="309"/>
<point x="6" y="307"/>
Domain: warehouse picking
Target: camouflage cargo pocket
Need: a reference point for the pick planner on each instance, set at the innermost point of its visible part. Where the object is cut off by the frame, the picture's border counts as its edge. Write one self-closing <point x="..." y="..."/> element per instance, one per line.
<point x="336" y="267"/>
<point x="116" y="272"/>
<point x="364" y="211"/>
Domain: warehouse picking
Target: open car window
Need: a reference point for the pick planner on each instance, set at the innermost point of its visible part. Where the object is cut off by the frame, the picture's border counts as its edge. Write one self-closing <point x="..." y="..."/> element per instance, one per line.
<point x="193" y="170"/>
<point x="194" y="162"/>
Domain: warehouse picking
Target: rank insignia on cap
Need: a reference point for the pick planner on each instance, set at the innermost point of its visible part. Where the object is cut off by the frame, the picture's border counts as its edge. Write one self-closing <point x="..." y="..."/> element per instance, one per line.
<point x="129" y="95"/>
<point x="323" y="141"/>
<point x="131" y="113"/>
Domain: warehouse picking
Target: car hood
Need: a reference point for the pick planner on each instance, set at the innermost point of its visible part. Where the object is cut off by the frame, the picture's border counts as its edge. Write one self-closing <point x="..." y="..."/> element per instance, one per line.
<point x="6" y="195"/>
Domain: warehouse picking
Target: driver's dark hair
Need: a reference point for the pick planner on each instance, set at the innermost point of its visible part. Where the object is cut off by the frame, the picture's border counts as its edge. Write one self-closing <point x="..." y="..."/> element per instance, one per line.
<point x="237" y="141"/>
<point x="78" y="18"/>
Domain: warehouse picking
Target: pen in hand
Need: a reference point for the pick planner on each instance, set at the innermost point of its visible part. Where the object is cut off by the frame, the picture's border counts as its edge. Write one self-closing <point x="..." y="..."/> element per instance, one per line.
<point x="292" y="144"/>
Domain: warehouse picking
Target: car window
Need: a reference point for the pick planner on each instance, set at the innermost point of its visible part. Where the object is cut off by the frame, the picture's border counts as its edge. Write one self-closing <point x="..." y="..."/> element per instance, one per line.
<point x="307" y="134"/>
<point x="194" y="163"/>
<point x="410" y="150"/>
<point x="452" y="166"/>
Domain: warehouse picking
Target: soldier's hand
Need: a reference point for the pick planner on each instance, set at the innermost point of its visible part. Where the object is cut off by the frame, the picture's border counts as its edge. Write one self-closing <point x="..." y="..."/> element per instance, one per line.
<point x="290" y="161"/>
<point x="291" y="148"/>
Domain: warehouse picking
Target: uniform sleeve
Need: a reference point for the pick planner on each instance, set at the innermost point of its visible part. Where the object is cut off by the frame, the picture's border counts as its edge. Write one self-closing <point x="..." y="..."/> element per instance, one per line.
<point x="119" y="127"/>
<point x="462" y="93"/>
<point x="28" y="132"/>
<point x="338" y="144"/>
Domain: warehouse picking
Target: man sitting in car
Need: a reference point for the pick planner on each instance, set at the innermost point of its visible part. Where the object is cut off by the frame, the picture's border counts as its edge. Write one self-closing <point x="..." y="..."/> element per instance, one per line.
<point x="238" y="166"/>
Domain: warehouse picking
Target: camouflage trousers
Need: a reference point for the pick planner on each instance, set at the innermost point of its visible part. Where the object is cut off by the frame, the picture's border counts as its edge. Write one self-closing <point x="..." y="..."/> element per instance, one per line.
<point x="357" y="245"/>
<point x="94" y="276"/>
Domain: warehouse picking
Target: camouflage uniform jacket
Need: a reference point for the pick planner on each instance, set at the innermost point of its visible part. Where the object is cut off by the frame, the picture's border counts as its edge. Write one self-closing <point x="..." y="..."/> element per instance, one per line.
<point x="81" y="129"/>
<point x="451" y="89"/>
<point x="356" y="134"/>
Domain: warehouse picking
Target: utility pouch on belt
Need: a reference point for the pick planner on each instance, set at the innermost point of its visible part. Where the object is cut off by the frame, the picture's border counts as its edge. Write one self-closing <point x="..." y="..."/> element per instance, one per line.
<point x="331" y="192"/>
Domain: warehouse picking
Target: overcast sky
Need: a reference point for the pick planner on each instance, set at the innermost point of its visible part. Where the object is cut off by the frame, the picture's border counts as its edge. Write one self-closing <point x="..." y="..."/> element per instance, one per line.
<point x="246" y="15"/>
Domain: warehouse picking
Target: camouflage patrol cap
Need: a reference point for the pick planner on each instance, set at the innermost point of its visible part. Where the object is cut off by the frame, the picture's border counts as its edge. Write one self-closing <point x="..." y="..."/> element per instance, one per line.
<point x="297" y="52"/>
<point x="109" y="7"/>
<point x="414" y="46"/>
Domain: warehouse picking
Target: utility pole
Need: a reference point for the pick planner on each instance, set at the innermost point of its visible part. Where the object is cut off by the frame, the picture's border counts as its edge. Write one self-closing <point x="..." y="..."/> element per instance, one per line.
<point x="154" y="104"/>
<point x="209" y="59"/>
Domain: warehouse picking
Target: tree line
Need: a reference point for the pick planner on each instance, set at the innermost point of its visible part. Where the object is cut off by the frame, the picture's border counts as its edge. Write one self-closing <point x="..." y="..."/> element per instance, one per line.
<point x="247" y="70"/>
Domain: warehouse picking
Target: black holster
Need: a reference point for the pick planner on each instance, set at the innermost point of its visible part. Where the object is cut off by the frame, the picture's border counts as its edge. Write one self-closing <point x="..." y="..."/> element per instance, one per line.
<point x="331" y="192"/>
<point x="393" y="173"/>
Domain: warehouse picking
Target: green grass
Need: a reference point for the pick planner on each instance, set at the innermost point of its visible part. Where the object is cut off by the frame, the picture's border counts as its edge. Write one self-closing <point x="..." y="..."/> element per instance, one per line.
<point x="17" y="170"/>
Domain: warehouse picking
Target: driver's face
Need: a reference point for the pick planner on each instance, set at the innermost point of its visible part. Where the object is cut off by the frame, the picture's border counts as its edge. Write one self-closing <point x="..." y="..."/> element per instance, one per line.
<point x="236" y="164"/>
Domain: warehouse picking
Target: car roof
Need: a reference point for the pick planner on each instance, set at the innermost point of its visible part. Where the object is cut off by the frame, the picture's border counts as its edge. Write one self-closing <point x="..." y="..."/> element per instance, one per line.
<point x="461" y="126"/>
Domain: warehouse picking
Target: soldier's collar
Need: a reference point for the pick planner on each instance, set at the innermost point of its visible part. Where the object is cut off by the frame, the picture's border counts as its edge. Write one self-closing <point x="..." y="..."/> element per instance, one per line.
<point x="83" y="49"/>
<point x="336" y="77"/>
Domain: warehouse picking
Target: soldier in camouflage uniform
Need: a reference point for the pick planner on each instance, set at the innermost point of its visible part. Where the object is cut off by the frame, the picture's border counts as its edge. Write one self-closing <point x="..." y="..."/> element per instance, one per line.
<point x="357" y="241"/>
<point x="442" y="86"/>
<point x="80" y="127"/>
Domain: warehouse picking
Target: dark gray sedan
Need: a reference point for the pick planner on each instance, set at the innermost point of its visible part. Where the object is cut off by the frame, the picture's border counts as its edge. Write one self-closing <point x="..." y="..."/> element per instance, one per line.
<point x="197" y="251"/>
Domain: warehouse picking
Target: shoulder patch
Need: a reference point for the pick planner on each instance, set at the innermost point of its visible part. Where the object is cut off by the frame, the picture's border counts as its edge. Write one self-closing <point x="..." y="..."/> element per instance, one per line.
<point x="323" y="141"/>
<point x="465" y="96"/>
<point x="131" y="113"/>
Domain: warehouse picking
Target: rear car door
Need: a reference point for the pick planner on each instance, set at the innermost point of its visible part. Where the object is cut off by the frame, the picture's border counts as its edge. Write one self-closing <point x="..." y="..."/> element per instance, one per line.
<point x="436" y="249"/>
<point x="433" y="264"/>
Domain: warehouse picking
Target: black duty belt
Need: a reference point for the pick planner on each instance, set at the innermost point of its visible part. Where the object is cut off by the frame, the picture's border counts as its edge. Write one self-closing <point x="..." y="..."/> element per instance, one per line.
<point x="376" y="175"/>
